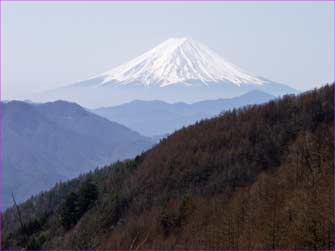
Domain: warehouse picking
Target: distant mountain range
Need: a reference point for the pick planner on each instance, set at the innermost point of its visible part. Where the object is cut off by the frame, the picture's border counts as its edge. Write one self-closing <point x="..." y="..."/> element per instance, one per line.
<point x="46" y="143"/>
<point x="259" y="178"/>
<point x="177" y="70"/>
<point x="154" y="118"/>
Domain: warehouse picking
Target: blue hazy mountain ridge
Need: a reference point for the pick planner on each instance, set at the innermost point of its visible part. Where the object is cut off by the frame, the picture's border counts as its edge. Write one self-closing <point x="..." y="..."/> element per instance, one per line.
<point x="152" y="118"/>
<point x="89" y="95"/>
<point x="46" y="143"/>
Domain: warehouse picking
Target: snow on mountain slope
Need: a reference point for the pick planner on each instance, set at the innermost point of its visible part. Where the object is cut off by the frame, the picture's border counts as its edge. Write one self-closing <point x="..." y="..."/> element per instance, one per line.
<point x="177" y="70"/>
<point x="178" y="60"/>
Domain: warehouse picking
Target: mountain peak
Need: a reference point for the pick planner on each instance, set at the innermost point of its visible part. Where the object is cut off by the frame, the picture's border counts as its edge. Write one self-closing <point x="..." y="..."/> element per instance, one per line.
<point x="176" y="42"/>
<point x="179" y="69"/>
<point x="180" y="60"/>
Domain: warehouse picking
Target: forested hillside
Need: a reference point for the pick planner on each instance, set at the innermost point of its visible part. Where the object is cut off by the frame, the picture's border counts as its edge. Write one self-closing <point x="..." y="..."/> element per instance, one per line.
<point x="259" y="177"/>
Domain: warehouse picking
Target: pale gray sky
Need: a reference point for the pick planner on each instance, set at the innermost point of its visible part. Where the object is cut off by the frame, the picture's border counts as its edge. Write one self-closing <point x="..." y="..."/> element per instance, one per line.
<point x="45" y="45"/>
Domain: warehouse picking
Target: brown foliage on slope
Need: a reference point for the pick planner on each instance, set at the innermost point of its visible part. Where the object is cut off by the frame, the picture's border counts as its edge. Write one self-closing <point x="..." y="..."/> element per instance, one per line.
<point x="260" y="177"/>
<point x="287" y="208"/>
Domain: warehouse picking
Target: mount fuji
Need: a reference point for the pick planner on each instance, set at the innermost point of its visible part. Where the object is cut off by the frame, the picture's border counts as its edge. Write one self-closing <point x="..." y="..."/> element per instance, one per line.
<point x="177" y="70"/>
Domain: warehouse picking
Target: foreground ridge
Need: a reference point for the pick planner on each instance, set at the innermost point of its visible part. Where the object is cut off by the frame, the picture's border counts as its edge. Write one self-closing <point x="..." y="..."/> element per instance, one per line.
<point x="259" y="177"/>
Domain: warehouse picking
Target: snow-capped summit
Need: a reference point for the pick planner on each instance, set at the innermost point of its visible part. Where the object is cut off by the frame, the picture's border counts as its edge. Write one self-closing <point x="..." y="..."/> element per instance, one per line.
<point x="178" y="60"/>
<point x="177" y="70"/>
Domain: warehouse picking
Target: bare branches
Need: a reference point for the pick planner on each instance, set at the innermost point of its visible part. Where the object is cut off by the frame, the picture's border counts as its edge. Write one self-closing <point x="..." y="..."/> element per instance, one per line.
<point x="19" y="215"/>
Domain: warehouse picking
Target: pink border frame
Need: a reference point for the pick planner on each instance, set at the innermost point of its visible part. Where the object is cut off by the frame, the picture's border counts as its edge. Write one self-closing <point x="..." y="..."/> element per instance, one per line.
<point x="167" y="0"/>
<point x="153" y="1"/>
